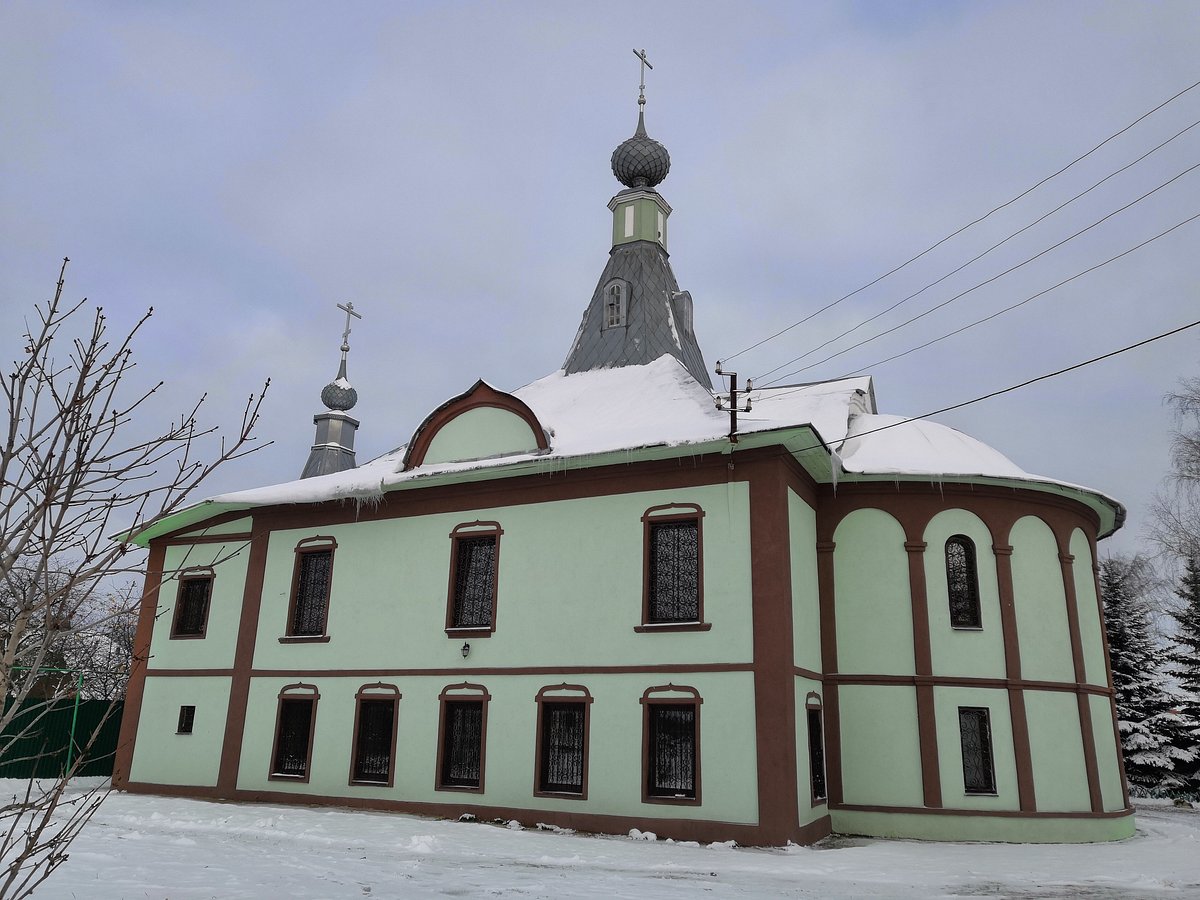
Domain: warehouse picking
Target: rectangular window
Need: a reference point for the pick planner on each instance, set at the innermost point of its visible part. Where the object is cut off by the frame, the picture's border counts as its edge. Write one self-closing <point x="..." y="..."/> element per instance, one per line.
<point x="474" y="565"/>
<point x="187" y="718"/>
<point x="310" y="599"/>
<point x="979" y="776"/>
<point x="674" y="576"/>
<point x="293" y="739"/>
<point x="671" y="769"/>
<point x="462" y="744"/>
<point x="374" y="741"/>
<point x="191" y="607"/>
<point x="563" y="730"/>
<point x="629" y="220"/>
<point x="816" y="755"/>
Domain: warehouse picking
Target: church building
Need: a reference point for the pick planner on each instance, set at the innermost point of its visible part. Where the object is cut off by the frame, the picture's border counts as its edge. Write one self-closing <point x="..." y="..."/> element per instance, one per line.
<point x="762" y="615"/>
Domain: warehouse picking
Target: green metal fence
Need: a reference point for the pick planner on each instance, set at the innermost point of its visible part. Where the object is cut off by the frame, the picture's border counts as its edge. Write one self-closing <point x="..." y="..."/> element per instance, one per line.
<point x="57" y="734"/>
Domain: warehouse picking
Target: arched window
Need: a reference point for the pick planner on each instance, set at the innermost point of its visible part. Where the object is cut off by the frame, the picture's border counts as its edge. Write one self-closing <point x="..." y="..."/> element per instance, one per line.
<point x="962" y="583"/>
<point x="615" y="304"/>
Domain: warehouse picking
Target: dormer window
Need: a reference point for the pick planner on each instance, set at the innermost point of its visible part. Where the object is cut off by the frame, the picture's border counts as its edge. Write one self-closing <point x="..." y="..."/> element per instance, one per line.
<point x="615" y="304"/>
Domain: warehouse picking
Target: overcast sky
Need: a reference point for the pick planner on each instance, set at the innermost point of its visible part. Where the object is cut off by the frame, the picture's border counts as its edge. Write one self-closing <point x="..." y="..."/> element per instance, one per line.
<point x="243" y="167"/>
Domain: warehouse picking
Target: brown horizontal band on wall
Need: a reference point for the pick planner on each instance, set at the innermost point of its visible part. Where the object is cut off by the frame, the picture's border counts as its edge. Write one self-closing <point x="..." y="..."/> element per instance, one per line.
<point x="1068" y="687"/>
<point x="462" y="671"/>
<point x="801" y="672"/>
<point x="679" y="829"/>
<point x="240" y="538"/>
<point x="983" y="813"/>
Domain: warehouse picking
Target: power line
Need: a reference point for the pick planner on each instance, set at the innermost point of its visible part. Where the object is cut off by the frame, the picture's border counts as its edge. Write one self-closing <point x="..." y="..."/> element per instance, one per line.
<point x="960" y="230"/>
<point x="1007" y="390"/>
<point x="980" y="256"/>
<point x="969" y="290"/>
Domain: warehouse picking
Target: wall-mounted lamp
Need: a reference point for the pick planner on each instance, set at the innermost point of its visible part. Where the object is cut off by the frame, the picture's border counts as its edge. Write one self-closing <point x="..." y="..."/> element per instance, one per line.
<point x="466" y="650"/>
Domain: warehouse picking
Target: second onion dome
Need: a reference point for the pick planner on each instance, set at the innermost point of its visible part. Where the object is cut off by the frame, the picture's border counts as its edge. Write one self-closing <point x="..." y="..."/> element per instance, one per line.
<point x="641" y="161"/>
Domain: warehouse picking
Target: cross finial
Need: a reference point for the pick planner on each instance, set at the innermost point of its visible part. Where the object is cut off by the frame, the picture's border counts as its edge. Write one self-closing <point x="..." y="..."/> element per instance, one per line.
<point x="348" y="309"/>
<point x="641" y="54"/>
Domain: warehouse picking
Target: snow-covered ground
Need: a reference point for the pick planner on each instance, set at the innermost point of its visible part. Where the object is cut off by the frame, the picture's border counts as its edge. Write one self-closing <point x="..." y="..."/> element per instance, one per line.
<point x="155" y="847"/>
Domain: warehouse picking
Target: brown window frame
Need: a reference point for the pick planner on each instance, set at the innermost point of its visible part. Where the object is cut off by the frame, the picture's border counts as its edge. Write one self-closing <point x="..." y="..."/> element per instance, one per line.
<point x="971" y="557"/>
<point x="669" y="513"/>
<point x="463" y="532"/>
<point x="814" y="711"/>
<point x="292" y="692"/>
<point x="558" y="694"/>
<point x="649" y="703"/>
<point x="991" y="790"/>
<point x="378" y="691"/>
<point x="477" y="694"/>
<point x="320" y="543"/>
<point x="187" y="719"/>
<point x="192" y="574"/>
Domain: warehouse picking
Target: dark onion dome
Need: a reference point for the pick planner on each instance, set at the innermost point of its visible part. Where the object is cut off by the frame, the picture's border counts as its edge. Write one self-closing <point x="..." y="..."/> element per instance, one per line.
<point x="641" y="161"/>
<point x="339" y="395"/>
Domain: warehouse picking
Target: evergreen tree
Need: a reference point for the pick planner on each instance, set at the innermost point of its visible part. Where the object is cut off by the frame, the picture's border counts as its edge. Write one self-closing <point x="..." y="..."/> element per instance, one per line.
<point x="1184" y="664"/>
<point x="1153" y="732"/>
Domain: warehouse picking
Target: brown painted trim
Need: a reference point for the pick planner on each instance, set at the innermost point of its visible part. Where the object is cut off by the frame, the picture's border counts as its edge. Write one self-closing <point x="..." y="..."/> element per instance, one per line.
<point x="774" y="651"/>
<point x="801" y="672"/>
<point x="243" y="660"/>
<point x="1023" y="756"/>
<point x="1087" y="735"/>
<point x="459" y="533"/>
<point x="829" y="662"/>
<point x="678" y="829"/>
<point x="579" y="695"/>
<point x="660" y="668"/>
<point x="1069" y="687"/>
<point x="192" y="573"/>
<point x="136" y="689"/>
<point x="1108" y="669"/>
<point x="384" y="692"/>
<point x="982" y="813"/>
<point x="658" y="515"/>
<point x="316" y="544"/>
<point x="292" y="693"/>
<point x="177" y="535"/>
<point x="931" y="778"/>
<point x="1019" y="721"/>
<point x="477" y="693"/>
<point x="478" y="395"/>
<point x="648" y="703"/>
<point x="240" y="538"/>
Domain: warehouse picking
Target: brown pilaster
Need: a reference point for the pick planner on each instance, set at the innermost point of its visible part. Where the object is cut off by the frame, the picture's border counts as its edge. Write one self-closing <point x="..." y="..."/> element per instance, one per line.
<point x="138" y="665"/>
<point x="774" y="679"/>
<point x="829" y="665"/>
<point x="1108" y="673"/>
<point x="1012" y="661"/>
<point x="931" y="777"/>
<point x="243" y="660"/>
<point x="1088" y="736"/>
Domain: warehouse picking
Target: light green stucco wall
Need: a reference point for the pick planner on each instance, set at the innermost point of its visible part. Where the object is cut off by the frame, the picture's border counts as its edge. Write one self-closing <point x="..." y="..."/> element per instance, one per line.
<point x="645" y="221"/>
<point x="1040" y="603"/>
<point x="1091" y="631"/>
<point x="390" y="583"/>
<point x="873" y="607"/>
<point x="729" y="788"/>
<point x="1056" y="747"/>
<point x="947" y="700"/>
<point x="959" y="651"/>
<point x="481" y="433"/>
<point x="806" y="610"/>
<point x="881" y="761"/>
<point x="160" y="756"/>
<point x="1106" y="753"/>
<point x="215" y="650"/>
<point x="922" y="826"/>
<point x="237" y="526"/>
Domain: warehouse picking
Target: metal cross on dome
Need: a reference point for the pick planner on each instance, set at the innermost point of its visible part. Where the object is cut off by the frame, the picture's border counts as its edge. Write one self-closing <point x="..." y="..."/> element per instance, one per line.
<point x="348" y="309"/>
<point x="641" y="54"/>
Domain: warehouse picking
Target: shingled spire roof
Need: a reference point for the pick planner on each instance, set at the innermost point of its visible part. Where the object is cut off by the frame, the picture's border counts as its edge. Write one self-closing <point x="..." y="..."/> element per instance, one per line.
<point x="637" y="312"/>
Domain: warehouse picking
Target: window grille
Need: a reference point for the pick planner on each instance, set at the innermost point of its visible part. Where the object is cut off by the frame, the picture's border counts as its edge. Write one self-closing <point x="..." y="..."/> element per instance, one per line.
<point x="312" y="593"/>
<point x="192" y="614"/>
<point x="962" y="583"/>
<point x="614" y="305"/>
<point x="187" y="718"/>
<point x="672" y="769"/>
<point x="561" y="765"/>
<point x="373" y="743"/>
<point x="295" y="731"/>
<point x="816" y="754"/>
<point x="462" y="750"/>
<point x="979" y="776"/>
<point x="674" y="572"/>
<point x="474" y="581"/>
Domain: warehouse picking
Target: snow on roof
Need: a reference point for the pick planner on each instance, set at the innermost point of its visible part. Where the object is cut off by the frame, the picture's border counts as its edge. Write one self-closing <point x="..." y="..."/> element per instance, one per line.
<point x="893" y="445"/>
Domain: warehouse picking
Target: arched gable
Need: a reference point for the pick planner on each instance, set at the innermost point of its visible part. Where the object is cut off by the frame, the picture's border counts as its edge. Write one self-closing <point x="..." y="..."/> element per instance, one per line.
<point x="481" y="423"/>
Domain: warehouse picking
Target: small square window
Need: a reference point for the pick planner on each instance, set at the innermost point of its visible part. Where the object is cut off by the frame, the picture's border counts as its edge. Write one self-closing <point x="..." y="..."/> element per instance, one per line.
<point x="187" y="718"/>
